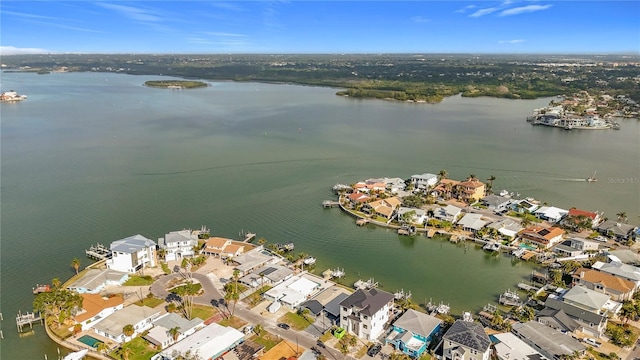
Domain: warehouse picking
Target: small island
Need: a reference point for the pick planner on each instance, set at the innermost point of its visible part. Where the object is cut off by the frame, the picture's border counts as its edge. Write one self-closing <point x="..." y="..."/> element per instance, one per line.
<point x="175" y="84"/>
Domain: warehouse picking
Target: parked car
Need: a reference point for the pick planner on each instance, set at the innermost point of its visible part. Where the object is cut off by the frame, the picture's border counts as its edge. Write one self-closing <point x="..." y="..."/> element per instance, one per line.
<point x="284" y="326"/>
<point x="374" y="350"/>
<point x="320" y="343"/>
<point x="592" y="342"/>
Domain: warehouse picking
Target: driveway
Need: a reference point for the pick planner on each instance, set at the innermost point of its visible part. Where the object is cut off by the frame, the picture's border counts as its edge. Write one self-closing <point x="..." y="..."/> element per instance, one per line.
<point x="210" y="296"/>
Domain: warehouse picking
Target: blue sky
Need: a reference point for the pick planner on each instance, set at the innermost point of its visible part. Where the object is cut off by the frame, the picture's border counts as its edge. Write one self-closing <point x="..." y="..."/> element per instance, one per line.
<point x="299" y="26"/>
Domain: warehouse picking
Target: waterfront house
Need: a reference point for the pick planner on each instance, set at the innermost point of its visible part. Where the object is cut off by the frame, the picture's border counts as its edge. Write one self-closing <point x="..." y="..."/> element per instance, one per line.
<point x="96" y="307"/>
<point x="469" y="191"/>
<point x="254" y="259"/>
<point x="370" y="186"/>
<point x="178" y="244"/>
<point x="215" y="245"/>
<point x="384" y="207"/>
<point x="268" y="275"/>
<point x="141" y="317"/>
<point x="625" y="256"/>
<point x="509" y="347"/>
<point x="417" y="217"/>
<point x="507" y="227"/>
<point x="549" y="342"/>
<point x="618" y="289"/>
<point x="575" y="218"/>
<point x="541" y="236"/>
<point x="619" y="269"/>
<point x="471" y="222"/>
<point x="160" y="334"/>
<point x="591" y="300"/>
<point x="293" y="291"/>
<point x="394" y="185"/>
<point x="211" y="342"/>
<point x="575" y="247"/>
<point x="356" y="198"/>
<point x="232" y="250"/>
<point x="413" y="332"/>
<point x="132" y="254"/>
<point x="448" y="213"/>
<point x="465" y="341"/>
<point x="619" y="231"/>
<point x="495" y="202"/>
<point x="424" y="181"/>
<point x="365" y="312"/>
<point x="550" y="213"/>
<point x="567" y="317"/>
<point x="93" y="281"/>
<point x="524" y="206"/>
<point x="444" y="189"/>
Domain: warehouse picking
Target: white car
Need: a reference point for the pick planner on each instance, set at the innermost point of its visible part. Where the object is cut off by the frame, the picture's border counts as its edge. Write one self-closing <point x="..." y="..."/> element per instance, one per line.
<point x="592" y="342"/>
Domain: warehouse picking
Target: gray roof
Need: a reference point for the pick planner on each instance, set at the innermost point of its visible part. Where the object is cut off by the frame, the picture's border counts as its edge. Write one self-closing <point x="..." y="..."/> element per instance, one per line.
<point x="275" y="273"/>
<point x="625" y="256"/>
<point x="172" y="320"/>
<point x="417" y="322"/>
<point x="370" y="301"/>
<point x="618" y="269"/>
<point x="548" y="340"/>
<point x="468" y="334"/>
<point x="472" y="221"/>
<point x="313" y="305"/>
<point x="494" y="200"/>
<point x="619" y="229"/>
<point x="94" y="278"/>
<point x="177" y="236"/>
<point x="251" y="259"/>
<point x="559" y="317"/>
<point x="333" y="306"/>
<point x="131" y="314"/>
<point x="132" y="244"/>
<point x="574" y="311"/>
<point x="589" y="298"/>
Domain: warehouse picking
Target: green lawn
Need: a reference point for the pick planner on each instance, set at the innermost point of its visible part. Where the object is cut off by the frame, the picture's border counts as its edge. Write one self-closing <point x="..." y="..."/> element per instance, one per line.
<point x="233" y="321"/>
<point x="140" y="350"/>
<point x="268" y="340"/>
<point x="298" y="322"/>
<point x="150" y="302"/>
<point x="203" y="312"/>
<point x="256" y="297"/>
<point x="136" y="280"/>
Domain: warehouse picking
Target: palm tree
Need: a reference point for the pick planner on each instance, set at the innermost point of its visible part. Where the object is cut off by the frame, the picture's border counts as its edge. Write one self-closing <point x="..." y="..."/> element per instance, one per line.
<point x="162" y="253"/>
<point x="174" y="332"/>
<point x="102" y="347"/>
<point x="56" y="283"/>
<point x="128" y="330"/>
<point x="490" y="180"/>
<point x="258" y="329"/>
<point x="628" y="311"/>
<point x="190" y="289"/>
<point x="622" y="216"/>
<point x="125" y="351"/>
<point x="75" y="264"/>
<point x="262" y="241"/>
<point x="472" y="177"/>
<point x="443" y="174"/>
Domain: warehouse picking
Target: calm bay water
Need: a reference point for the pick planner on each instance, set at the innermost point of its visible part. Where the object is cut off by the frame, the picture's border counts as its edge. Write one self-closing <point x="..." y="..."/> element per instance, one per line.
<point x="96" y="157"/>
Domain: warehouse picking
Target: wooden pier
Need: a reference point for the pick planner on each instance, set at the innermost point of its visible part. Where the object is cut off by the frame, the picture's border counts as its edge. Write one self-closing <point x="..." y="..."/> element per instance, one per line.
<point x="362" y="222"/>
<point x="27" y="319"/>
<point x="98" y="252"/>
<point x="330" y="204"/>
<point x="248" y="237"/>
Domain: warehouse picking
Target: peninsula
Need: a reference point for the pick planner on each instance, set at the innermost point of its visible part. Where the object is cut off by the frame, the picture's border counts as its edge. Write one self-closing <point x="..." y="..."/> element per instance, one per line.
<point x="175" y="84"/>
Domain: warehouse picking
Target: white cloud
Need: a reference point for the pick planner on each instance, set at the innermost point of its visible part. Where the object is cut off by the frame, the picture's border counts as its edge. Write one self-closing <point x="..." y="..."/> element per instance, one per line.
<point x="464" y="9"/>
<point x="483" y="12"/>
<point x="515" y="41"/>
<point x="134" y="13"/>
<point x="420" y="19"/>
<point x="524" y="9"/>
<point x="12" y="50"/>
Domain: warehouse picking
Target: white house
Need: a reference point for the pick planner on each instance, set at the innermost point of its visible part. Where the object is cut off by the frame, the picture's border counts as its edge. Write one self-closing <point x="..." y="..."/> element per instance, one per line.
<point x="472" y="222"/>
<point x="394" y="185"/>
<point x="178" y="244"/>
<point x="550" y="213"/>
<point x="507" y="227"/>
<point x="448" y="213"/>
<point x="292" y="292"/>
<point x="160" y="335"/>
<point x="95" y="280"/>
<point x="365" y="312"/>
<point x="466" y="341"/>
<point x="424" y="181"/>
<point x="95" y="308"/>
<point x="132" y="254"/>
<point x="140" y="317"/>
<point x="510" y="347"/>
<point x="418" y="218"/>
<point x="209" y="343"/>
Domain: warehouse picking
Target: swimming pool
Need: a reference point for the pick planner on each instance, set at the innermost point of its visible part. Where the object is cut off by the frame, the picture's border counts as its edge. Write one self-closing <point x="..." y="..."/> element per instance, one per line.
<point x="89" y="340"/>
<point x="527" y="247"/>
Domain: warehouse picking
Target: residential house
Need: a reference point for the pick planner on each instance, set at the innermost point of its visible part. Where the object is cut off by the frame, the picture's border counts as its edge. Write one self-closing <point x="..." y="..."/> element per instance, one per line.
<point x="619" y="231"/>
<point x="417" y="217"/>
<point x="495" y="202"/>
<point x="617" y="288"/>
<point x="445" y="188"/>
<point x="469" y="191"/>
<point x="132" y="254"/>
<point x="471" y="222"/>
<point x="268" y="275"/>
<point x="96" y="307"/>
<point x="254" y="259"/>
<point x="549" y="342"/>
<point x="576" y="247"/>
<point x="509" y="347"/>
<point x="550" y="213"/>
<point x="365" y="312"/>
<point x="215" y="245"/>
<point x="332" y="308"/>
<point x="93" y="281"/>
<point x="178" y="244"/>
<point x="413" y="332"/>
<point x="293" y="291"/>
<point x="619" y="269"/>
<point x="160" y="335"/>
<point x="524" y="206"/>
<point x="448" y="213"/>
<point x="541" y="236"/>
<point x="590" y="300"/>
<point x="140" y="317"/>
<point x="394" y="185"/>
<point x="625" y="256"/>
<point x="507" y="228"/>
<point x="567" y="317"/>
<point x="575" y="217"/>
<point x="211" y="342"/>
<point x="385" y="207"/>
<point x="370" y="186"/>
<point x="232" y="250"/>
<point x="356" y="198"/>
<point x="424" y="181"/>
<point x="466" y="341"/>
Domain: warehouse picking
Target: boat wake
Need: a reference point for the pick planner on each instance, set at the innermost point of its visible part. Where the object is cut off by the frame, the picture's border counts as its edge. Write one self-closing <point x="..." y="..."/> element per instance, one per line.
<point x="576" y="180"/>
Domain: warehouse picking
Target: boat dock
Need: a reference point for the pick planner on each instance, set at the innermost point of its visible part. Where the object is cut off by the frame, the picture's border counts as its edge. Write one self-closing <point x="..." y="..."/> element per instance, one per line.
<point x="248" y="237"/>
<point x="39" y="288"/>
<point x="510" y="298"/>
<point x="27" y="319"/>
<point x="98" y="252"/>
<point x="330" y="204"/>
<point x="362" y="222"/>
<point x="365" y="285"/>
<point x="527" y="287"/>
